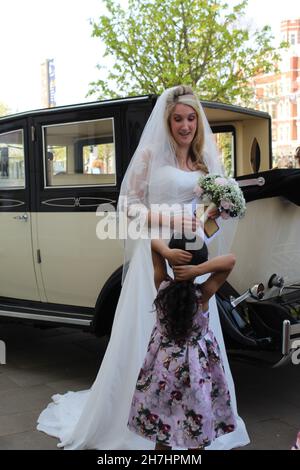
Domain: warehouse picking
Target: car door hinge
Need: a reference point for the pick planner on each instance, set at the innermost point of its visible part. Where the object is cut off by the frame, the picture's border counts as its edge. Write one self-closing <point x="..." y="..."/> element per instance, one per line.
<point x="39" y="259"/>
<point x="32" y="133"/>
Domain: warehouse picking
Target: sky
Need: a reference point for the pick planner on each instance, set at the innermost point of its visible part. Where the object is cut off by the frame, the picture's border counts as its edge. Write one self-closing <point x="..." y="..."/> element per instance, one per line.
<point x="34" y="30"/>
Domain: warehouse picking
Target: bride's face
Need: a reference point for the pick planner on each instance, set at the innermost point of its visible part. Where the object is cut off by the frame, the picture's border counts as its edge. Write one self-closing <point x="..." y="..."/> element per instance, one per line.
<point x="183" y="124"/>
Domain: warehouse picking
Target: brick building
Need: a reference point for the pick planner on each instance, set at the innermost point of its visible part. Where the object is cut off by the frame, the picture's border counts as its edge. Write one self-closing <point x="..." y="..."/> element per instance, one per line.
<point x="279" y="95"/>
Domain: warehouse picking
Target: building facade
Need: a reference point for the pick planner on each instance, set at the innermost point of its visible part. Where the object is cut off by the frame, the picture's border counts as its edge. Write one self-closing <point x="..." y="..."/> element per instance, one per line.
<point x="279" y="95"/>
<point x="48" y="83"/>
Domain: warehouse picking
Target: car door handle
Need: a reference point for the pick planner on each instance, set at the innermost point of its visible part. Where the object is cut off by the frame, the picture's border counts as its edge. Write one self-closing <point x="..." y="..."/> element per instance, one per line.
<point x="21" y="217"/>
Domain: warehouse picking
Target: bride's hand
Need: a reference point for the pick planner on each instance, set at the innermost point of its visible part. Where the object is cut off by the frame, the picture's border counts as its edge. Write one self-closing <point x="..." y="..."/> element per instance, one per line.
<point x="176" y="256"/>
<point x="185" y="223"/>
<point x="213" y="213"/>
<point x="185" y="273"/>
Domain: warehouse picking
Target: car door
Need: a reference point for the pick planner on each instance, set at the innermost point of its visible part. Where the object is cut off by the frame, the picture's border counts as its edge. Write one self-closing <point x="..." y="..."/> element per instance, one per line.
<point x="77" y="169"/>
<point x="17" y="264"/>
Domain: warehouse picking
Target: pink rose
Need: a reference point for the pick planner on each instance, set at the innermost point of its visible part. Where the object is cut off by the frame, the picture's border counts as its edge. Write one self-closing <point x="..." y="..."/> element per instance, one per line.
<point x="225" y="215"/>
<point x="221" y="181"/>
<point x="153" y="418"/>
<point x="226" y="204"/>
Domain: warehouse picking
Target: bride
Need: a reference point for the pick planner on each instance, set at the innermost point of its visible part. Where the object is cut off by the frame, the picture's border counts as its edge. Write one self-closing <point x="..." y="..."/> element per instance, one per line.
<point x="177" y="146"/>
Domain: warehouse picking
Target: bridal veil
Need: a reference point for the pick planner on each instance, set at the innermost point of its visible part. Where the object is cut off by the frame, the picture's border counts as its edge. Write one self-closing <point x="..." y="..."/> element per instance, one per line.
<point x="97" y="418"/>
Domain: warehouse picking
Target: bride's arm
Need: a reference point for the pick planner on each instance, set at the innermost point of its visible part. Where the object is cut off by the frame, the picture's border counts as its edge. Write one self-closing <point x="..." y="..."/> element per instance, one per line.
<point x="137" y="194"/>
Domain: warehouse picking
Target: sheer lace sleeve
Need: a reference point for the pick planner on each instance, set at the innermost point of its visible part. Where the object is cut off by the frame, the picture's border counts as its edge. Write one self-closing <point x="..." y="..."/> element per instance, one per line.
<point x="138" y="180"/>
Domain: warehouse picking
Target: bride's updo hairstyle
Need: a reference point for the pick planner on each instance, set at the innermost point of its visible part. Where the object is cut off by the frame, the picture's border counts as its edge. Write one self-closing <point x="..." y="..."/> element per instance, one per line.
<point x="185" y="95"/>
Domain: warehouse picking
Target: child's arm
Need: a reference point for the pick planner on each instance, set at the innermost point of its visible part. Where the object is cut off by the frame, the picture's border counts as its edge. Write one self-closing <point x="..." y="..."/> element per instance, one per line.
<point x="217" y="264"/>
<point x="160" y="270"/>
<point x="218" y="277"/>
<point x="220" y="267"/>
<point x="174" y="256"/>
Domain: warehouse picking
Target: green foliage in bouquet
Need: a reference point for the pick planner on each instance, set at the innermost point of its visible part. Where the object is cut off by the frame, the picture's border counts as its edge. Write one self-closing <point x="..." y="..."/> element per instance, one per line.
<point x="224" y="192"/>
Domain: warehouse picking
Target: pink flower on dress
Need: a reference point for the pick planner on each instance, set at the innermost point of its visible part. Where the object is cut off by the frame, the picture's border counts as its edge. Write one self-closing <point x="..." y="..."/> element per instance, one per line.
<point x="229" y="428"/>
<point x="162" y="385"/>
<point x="165" y="428"/>
<point x="153" y="419"/>
<point x="176" y="395"/>
<point x="198" y="419"/>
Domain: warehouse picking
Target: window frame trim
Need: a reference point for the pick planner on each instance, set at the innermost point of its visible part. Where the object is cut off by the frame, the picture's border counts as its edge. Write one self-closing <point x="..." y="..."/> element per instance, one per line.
<point x="228" y="128"/>
<point x="24" y="187"/>
<point x="47" y="187"/>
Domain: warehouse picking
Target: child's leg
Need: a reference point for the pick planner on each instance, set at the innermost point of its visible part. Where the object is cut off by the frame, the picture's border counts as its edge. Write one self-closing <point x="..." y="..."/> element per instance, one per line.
<point x="159" y="446"/>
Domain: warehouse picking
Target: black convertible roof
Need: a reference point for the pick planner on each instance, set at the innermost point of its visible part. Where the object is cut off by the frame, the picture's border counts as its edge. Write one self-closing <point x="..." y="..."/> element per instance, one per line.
<point x="278" y="182"/>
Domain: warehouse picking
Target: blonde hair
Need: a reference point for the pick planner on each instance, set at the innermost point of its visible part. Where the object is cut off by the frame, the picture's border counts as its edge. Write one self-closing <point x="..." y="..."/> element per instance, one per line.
<point x="185" y="95"/>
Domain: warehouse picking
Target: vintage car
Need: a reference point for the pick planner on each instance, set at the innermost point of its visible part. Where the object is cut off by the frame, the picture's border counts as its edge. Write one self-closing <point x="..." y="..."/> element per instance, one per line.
<point x="58" y="165"/>
<point x="266" y="316"/>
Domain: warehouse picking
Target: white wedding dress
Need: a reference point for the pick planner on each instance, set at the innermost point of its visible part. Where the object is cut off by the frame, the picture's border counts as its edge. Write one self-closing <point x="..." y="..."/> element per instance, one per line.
<point x="97" y="418"/>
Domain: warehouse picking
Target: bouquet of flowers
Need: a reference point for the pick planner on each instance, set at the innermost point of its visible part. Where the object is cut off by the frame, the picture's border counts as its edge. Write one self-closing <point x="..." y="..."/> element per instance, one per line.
<point x="221" y="193"/>
<point x="224" y="193"/>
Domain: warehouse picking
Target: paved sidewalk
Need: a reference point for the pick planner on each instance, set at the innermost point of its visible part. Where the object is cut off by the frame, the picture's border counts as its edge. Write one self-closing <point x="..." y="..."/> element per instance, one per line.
<point x="41" y="363"/>
<point x="268" y="400"/>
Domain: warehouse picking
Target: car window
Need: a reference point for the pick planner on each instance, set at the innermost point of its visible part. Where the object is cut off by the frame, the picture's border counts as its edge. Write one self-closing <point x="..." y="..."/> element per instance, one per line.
<point x="80" y="153"/>
<point x="225" y="140"/>
<point x="12" y="173"/>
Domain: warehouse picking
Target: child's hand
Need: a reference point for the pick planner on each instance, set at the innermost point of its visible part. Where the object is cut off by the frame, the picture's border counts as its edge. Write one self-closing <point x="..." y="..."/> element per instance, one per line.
<point x="176" y="256"/>
<point x="185" y="273"/>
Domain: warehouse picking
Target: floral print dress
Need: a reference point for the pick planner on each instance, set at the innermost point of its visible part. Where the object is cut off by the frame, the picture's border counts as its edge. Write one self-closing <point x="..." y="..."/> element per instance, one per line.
<point x="181" y="397"/>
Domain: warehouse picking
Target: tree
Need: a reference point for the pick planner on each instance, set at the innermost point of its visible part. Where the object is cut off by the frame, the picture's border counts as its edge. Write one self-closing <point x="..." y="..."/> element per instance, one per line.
<point x="156" y="44"/>
<point x="4" y="109"/>
<point x="224" y="142"/>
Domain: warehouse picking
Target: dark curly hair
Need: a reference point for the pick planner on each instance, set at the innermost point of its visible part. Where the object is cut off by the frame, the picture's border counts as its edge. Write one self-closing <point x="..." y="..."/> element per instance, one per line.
<point x="178" y="301"/>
